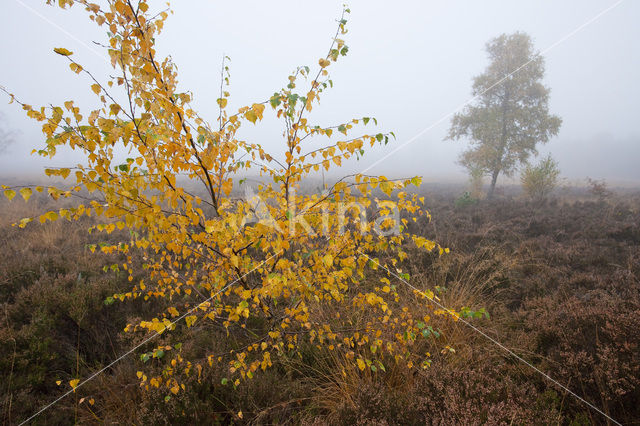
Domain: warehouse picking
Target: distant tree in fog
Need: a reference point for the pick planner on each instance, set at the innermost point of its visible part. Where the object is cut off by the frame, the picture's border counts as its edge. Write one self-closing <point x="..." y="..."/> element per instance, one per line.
<point x="510" y="112"/>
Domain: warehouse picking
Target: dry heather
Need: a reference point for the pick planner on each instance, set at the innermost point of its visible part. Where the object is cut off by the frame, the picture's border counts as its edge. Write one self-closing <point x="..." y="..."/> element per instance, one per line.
<point x="560" y="281"/>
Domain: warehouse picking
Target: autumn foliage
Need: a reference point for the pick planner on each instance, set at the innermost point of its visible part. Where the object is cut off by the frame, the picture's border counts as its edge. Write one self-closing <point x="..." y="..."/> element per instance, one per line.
<point x="205" y="254"/>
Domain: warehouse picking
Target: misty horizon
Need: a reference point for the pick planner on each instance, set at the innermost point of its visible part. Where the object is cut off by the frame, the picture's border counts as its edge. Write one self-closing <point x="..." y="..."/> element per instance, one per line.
<point x="410" y="67"/>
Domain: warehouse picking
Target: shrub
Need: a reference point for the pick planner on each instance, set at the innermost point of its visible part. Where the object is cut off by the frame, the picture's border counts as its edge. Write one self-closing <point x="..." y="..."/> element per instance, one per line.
<point x="465" y="200"/>
<point x="538" y="181"/>
<point x="598" y="188"/>
<point x="260" y="270"/>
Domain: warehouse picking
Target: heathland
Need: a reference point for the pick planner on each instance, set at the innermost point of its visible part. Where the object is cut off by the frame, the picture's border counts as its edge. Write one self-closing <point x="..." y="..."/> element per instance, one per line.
<point x="559" y="281"/>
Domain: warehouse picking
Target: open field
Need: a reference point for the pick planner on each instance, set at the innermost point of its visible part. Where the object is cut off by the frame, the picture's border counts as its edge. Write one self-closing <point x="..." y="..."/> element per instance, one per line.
<point x="560" y="280"/>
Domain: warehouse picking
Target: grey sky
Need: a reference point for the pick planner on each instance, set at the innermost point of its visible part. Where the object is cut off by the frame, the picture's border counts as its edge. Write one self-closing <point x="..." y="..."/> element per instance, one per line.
<point x="409" y="64"/>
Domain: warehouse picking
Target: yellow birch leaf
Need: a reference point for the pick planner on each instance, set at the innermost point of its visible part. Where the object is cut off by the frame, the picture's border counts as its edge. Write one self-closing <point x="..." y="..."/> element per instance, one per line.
<point x="227" y="186"/>
<point x="75" y="67"/>
<point x="190" y="320"/>
<point x="24" y="221"/>
<point x="10" y="193"/>
<point x="259" y="110"/>
<point x="361" y="364"/>
<point x="251" y="116"/>
<point x="62" y="51"/>
<point x="96" y="88"/>
<point x="26" y="193"/>
<point x="51" y="216"/>
<point x="386" y="187"/>
<point x="74" y="383"/>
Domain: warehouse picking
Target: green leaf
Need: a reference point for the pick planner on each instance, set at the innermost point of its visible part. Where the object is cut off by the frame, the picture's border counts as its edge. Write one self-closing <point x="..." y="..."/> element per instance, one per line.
<point x="275" y="100"/>
<point x="365" y="120"/>
<point x="293" y="98"/>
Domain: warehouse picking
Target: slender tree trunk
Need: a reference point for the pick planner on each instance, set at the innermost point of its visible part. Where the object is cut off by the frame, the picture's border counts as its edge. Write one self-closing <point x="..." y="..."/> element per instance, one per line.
<point x="494" y="179"/>
<point x="503" y="145"/>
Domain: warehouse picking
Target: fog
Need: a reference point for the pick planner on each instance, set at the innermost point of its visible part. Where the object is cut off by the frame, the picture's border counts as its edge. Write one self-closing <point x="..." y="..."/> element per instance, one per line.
<point x="410" y="65"/>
